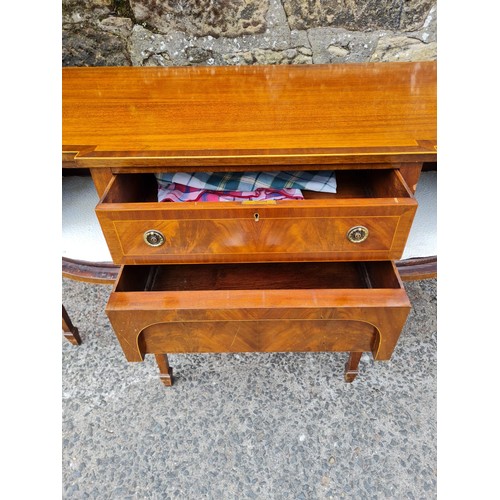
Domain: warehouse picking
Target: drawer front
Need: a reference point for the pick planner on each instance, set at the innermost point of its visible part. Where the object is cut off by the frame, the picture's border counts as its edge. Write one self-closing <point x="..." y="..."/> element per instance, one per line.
<point x="259" y="336"/>
<point x="304" y="230"/>
<point x="272" y="307"/>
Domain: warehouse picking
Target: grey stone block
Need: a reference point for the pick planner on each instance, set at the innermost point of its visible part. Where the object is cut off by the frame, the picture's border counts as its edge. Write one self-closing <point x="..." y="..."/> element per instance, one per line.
<point x="87" y="45"/>
<point x="202" y="17"/>
<point x="332" y="45"/>
<point x="358" y="15"/>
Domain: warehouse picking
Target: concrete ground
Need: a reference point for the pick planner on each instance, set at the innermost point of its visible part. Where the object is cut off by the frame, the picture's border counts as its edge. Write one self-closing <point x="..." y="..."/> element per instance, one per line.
<point x="243" y="426"/>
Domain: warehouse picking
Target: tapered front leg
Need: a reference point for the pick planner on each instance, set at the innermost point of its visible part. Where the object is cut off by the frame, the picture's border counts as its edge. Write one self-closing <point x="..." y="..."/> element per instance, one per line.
<point x="70" y="331"/>
<point x="166" y="372"/>
<point x="351" y="367"/>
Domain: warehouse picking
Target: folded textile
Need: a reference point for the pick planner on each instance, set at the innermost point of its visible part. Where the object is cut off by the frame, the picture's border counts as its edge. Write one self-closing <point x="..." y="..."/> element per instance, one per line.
<point x="179" y="192"/>
<point x="322" y="181"/>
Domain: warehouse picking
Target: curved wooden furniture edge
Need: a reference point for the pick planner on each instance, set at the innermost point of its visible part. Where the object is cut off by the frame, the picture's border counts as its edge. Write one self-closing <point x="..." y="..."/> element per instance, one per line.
<point x="105" y="273"/>
<point x="421" y="268"/>
<point x="102" y="273"/>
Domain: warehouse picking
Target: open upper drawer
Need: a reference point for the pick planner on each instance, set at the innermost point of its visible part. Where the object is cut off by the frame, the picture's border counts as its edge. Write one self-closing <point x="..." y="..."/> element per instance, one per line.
<point x="369" y="218"/>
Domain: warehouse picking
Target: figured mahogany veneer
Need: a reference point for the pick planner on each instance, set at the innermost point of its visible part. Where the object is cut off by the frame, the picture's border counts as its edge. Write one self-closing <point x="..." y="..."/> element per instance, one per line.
<point x="268" y="307"/>
<point x="313" y="229"/>
<point x="261" y="277"/>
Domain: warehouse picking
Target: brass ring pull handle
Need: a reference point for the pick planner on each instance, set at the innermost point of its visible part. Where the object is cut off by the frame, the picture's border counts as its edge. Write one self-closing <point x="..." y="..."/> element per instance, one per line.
<point x="357" y="234"/>
<point x="154" y="238"/>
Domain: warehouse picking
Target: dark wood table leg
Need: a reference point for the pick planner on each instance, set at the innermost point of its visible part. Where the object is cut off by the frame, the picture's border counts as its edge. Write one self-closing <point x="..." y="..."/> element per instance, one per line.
<point x="351" y="367"/>
<point x="166" y="372"/>
<point x="70" y="331"/>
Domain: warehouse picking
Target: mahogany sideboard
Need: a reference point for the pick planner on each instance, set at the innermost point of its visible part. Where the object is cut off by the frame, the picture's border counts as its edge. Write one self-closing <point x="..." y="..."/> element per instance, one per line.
<point x="316" y="274"/>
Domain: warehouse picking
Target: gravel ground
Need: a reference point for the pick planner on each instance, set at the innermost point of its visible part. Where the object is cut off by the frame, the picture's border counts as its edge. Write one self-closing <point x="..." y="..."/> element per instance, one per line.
<point x="243" y="426"/>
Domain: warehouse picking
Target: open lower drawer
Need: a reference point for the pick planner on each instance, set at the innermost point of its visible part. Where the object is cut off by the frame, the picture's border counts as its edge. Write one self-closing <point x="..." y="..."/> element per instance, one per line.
<point x="272" y="307"/>
<point x="369" y="218"/>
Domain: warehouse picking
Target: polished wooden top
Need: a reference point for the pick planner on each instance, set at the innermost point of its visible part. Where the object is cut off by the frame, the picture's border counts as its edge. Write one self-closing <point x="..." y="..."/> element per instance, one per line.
<point x="199" y="116"/>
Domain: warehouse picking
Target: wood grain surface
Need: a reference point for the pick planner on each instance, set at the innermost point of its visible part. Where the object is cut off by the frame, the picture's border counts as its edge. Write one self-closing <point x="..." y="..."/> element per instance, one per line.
<point x="200" y="116"/>
<point x="346" y="307"/>
<point x="313" y="229"/>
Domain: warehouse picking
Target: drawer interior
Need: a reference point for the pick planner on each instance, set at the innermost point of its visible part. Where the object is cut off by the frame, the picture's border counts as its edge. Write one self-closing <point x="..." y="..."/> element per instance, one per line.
<point x="383" y="183"/>
<point x="258" y="276"/>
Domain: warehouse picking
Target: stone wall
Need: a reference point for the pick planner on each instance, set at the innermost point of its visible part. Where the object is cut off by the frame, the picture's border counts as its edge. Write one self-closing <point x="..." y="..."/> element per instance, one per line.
<point x="235" y="32"/>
